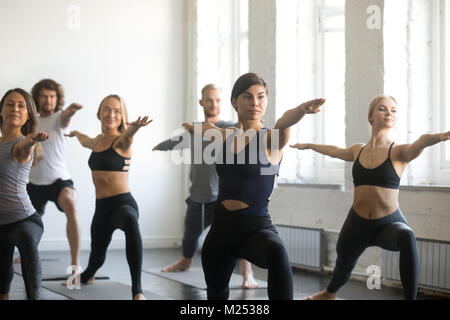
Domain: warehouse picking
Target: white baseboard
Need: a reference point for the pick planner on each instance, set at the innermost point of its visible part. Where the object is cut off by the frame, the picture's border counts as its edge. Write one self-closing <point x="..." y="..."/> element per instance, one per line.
<point x="116" y="243"/>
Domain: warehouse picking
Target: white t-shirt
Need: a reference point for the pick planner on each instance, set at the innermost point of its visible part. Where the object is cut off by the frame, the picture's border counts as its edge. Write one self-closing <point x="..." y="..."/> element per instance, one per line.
<point x="52" y="166"/>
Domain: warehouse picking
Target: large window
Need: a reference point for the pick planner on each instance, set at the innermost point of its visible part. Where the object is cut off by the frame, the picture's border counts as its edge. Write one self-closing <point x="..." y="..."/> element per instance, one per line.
<point x="416" y="41"/>
<point x="310" y="64"/>
<point x="222" y="47"/>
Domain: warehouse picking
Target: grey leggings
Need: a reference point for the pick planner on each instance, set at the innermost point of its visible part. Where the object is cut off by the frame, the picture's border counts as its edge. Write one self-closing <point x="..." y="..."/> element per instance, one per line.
<point x="390" y="233"/>
<point x="198" y="218"/>
<point x="25" y="235"/>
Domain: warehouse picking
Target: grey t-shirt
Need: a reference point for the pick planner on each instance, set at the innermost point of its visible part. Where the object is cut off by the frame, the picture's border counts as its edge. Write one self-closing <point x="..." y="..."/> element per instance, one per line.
<point x="204" y="180"/>
<point x="15" y="204"/>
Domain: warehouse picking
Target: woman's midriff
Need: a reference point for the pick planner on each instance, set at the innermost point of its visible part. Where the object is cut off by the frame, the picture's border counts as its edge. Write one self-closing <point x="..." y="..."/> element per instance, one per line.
<point x="109" y="183"/>
<point x="372" y="202"/>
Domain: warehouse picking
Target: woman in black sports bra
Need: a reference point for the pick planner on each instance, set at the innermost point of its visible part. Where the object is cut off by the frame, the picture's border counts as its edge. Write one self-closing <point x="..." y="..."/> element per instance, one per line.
<point x="115" y="206"/>
<point x="375" y="218"/>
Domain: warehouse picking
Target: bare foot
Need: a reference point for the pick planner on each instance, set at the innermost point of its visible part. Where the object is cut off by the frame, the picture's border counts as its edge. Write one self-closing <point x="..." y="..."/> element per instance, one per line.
<point x="181" y="265"/>
<point x="249" y="282"/>
<point x="139" y="296"/>
<point x="322" y="295"/>
<point x="4" y="296"/>
<point x="17" y="260"/>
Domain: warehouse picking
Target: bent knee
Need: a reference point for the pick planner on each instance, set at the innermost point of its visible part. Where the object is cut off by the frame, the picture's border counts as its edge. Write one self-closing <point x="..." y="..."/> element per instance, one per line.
<point x="406" y="236"/>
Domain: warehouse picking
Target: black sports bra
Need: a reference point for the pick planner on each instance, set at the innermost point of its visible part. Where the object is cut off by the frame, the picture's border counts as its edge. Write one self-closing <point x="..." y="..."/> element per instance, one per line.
<point x="382" y="176"/>
<point x="108" y="160"/>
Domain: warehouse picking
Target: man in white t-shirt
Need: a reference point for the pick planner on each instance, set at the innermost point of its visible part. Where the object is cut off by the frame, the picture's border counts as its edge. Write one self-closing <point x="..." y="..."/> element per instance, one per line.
<point x="49" y="178"/>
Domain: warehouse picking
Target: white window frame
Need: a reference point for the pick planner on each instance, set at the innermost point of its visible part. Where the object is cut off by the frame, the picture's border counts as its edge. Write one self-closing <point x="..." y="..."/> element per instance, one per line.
<point x="235" y="60"/>
<point x="321" y="169"/>
<point x="441" y="97"/>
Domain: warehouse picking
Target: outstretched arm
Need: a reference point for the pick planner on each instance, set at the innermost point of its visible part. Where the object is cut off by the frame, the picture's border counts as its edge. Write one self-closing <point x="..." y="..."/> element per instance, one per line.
<point x="346" y="154"/>
<point x="409" y="152"/>
<point x="23" y="150"/>
<point x="207" y="129"/>
<point x="126" y="139"/>
<point x="293" y="116"/>
<point x="176" y="143"/>
<point x="85" y="141"/>
<point x="67" y="114"/>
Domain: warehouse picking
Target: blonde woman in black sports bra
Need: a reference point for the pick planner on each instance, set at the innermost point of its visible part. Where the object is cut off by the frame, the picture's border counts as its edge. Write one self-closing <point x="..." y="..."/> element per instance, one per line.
<point x="115" y="206"/>
<point x="375" y="218"/>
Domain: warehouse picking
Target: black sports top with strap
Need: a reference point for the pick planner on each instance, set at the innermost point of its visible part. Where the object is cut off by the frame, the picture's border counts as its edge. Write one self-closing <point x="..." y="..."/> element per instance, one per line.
<point x="247" y="176"/>
<point x="108" y="160"/>
<point x="382" y="176"/>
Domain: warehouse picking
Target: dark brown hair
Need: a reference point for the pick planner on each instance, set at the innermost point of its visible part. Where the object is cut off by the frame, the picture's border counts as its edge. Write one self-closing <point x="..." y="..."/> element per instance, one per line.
<point x="246" y="81"/>
<point x="48" y="84"/>
<point x="31" y="124"/>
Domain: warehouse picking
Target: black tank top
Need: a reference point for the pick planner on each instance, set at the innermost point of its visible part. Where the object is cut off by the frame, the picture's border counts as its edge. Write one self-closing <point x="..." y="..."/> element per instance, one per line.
<point x="108" y="160"/>
<point x="250" y="180"/>
<point x="382" y="176"/>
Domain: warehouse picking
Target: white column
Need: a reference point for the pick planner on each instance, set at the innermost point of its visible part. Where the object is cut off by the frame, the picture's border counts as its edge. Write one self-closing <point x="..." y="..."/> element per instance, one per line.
<point x="262" y="49"/>
<point x="364" y="68"/>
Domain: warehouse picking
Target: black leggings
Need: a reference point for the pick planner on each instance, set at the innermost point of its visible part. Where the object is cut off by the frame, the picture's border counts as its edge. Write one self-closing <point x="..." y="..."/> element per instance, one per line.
<point x="390" y="233"/>
<point x="117" y="212"/>
<point x="25" y="235"/>
<point x="233" y="236"/>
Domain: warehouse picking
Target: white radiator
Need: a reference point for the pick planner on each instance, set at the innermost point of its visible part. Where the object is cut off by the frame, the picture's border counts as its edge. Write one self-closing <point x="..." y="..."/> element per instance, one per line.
<point x="434" y="264"/>
<point x="305" y="246"/>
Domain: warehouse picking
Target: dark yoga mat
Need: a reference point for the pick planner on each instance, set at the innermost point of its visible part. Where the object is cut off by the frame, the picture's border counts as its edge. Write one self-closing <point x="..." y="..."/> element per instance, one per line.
<point x="101" y="290"/>
<point x="53" y="270"/>
<point x="194" y="277"/>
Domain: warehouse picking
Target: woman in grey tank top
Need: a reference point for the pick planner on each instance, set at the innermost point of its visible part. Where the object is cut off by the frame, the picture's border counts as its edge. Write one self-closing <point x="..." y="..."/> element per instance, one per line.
<point x="20" y="226"/>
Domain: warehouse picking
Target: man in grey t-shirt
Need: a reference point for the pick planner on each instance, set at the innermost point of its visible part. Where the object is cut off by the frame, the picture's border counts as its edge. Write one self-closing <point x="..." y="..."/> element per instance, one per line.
<point x="204" y="188"/>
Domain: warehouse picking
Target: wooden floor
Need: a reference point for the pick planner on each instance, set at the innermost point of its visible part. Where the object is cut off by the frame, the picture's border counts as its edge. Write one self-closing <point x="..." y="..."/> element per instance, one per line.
<point x="116" y="267"/>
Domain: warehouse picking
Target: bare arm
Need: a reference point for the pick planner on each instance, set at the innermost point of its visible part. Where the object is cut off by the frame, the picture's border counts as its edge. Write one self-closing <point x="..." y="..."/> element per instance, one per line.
<point x="292" y="117"/>
<point x="409" y="152"/>
<point x="23" y="150"/>
<point x="126" y="139"/>
<point x="208" y="129"/>
<point x="346" y="154"/>
<point x="67" y="114"/>
<point x="85" y="141"/>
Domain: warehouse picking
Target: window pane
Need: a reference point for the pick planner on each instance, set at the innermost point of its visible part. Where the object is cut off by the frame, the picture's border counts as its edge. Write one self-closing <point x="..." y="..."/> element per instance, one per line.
<point x="222" y="47"/>
<point x="334" y="90"/>
<point x="447" y="81"/>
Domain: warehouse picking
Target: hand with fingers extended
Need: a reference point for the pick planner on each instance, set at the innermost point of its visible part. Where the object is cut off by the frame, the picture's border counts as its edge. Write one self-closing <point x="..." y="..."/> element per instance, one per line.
<point x="443" y="136"/>
<point x="300" y="146"/>
<point x="36" y="137"/>
<point x="71" y="134"/>
<point x="140" y="122"/>
<point x="74" y="107"/>
<point x="312" y="106"/>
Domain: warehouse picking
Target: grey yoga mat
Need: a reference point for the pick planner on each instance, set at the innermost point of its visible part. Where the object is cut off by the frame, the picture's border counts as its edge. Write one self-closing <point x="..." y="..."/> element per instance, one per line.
<point x="194" y="277"/>
<point x="53" y="270"/>
<point x="100" y="290"/>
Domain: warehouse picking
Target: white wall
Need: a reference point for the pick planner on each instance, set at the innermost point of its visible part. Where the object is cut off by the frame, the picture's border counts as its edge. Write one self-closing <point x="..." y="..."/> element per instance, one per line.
<point x="132" y="48"/>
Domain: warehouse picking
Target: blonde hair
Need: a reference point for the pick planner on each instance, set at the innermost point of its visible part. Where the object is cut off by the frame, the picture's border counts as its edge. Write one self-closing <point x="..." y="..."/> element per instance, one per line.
<point x="208" y="87"/>
<point x="123" y="111"/>
<point x="375" y="102"/>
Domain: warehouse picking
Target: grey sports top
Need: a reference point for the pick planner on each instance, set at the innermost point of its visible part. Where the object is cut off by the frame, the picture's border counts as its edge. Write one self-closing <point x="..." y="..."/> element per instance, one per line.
<point x="15" y="204"/>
